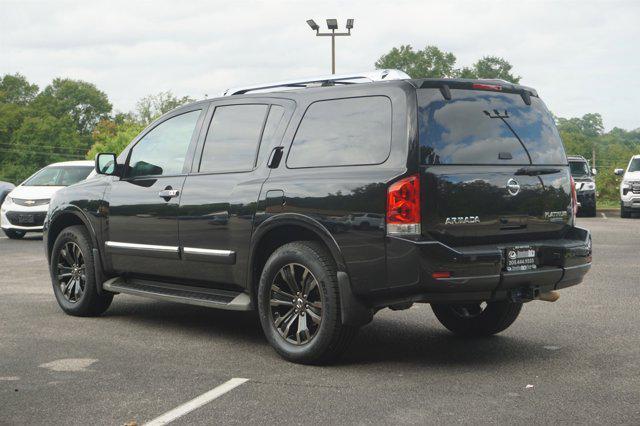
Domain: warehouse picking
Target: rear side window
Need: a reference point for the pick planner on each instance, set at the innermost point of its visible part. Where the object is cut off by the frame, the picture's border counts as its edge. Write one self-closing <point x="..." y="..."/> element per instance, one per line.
<point x="479" y="127"/>
<point x="232" y="139"/>
<point x="340" y="132"/>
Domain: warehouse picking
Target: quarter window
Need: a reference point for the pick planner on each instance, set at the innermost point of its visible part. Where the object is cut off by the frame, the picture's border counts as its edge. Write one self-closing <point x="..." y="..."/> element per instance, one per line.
<point x="162" y="151"/>
<point x="276" y="114"/>
<point x="340" y="132"/>
<point x="232" y="139"/>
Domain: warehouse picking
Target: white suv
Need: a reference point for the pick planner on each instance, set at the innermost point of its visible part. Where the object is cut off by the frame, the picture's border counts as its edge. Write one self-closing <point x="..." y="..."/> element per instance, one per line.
<point x="26" y="206"/>
<point x="630" y="187"/>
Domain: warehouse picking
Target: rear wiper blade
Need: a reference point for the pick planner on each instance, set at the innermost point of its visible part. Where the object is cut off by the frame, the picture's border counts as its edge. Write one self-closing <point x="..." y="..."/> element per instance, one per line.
<point x="536" y="172"/>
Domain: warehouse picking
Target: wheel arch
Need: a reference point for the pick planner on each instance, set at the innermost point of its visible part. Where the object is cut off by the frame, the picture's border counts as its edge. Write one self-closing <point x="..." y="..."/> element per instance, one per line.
<point x="62" y="219"/>
<point x="282" y="229"/>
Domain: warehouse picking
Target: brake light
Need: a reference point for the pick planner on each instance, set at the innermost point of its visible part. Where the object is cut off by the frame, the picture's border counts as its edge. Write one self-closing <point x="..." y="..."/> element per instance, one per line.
<point x="403" y="206"/>
<point x="441" y="274"/>
<point x="574" y="199"/>
<point x="481" y="86"/>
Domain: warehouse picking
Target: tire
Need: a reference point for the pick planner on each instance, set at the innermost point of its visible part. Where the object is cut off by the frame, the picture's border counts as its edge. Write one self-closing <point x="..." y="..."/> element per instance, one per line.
<point x="323" y="342"/>
<point x="14" y="234"/>
<point x="73" y="247"/>
<point x="624" y="212"/>
<point x="494" y="318"/>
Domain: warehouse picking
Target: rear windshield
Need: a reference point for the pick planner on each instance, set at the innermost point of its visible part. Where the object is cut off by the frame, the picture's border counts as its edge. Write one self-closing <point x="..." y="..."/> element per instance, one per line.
<point x="480" y="127"/>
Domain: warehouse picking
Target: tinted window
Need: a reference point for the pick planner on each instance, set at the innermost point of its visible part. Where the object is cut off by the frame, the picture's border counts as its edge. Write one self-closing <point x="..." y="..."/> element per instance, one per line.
<point x="579" y="168"/>
<point x="276" y="114"/>
<point x="59" y="176"/>
<point x="232" y="138"/>
<point x="477" y="127"/>
<point x="162" y="151"/>
<point x="634" y="165"/>
<point x="354" y="131"/>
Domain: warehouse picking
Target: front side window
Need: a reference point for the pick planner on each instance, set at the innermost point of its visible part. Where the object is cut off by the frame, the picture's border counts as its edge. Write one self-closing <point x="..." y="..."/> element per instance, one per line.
<point x="59" y="176"/>
<point x="163" y="150"/>
<point x="232" y="139"/>
<point x="340" y="132"/>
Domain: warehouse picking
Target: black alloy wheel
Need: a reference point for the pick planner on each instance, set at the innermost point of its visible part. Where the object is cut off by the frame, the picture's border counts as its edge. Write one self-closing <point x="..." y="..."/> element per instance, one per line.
<point x="296" y="304"/>
<point x="71" y="268"/>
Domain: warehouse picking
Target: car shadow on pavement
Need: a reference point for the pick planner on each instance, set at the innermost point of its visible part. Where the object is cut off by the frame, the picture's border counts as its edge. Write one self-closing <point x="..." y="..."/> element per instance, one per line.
<point x="385" y="340"/>
<point x="187" y="320"/>
<point x="388" y="341"/>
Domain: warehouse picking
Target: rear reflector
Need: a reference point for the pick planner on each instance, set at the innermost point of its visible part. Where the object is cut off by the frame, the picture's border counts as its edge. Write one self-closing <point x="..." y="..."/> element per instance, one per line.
<point x="403" y="207"/>
<point x="441" y="274"/>
<point x="493" y="87"/>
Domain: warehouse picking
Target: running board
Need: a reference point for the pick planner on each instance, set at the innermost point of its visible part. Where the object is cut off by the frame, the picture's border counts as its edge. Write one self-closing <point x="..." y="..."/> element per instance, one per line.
<point x="211" y="298"/>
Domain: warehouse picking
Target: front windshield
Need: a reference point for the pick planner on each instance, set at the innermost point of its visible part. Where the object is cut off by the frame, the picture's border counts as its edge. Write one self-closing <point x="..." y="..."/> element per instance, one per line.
<point x="579" y="168"/>
<point x="59" y="176"/>
<point x="634" y="166"/>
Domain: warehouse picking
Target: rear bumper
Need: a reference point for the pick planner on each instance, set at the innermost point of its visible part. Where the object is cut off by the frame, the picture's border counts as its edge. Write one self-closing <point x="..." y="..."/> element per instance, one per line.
<point x="477" y="272"/>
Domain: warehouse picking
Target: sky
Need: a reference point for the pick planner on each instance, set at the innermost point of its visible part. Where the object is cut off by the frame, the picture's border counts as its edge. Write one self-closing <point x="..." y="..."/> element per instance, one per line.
<point x="581" y="56"/>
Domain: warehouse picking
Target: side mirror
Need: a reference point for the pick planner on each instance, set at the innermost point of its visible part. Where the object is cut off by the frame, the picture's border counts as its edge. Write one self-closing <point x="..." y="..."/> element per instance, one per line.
<point x="594" y="172"/>
<point x="619" y="172"/>
<point x="106" y="164"/>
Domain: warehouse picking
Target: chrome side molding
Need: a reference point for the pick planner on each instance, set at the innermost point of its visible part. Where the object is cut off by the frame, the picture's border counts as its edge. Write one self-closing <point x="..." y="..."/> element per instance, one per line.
<point x="149" y="250"/>
<point x="188" y="253"/>
<point x="132" y="246"/>
<point x="227" y="257"/>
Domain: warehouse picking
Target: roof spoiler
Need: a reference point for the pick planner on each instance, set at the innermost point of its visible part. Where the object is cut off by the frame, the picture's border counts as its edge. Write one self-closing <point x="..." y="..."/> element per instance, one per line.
<point x="445" y="86"/>
<point x="320" y="81"/>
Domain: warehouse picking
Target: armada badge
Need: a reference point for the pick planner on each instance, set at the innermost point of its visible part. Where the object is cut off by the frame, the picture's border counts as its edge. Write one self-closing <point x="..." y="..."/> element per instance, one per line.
<point x="462" y="219"/>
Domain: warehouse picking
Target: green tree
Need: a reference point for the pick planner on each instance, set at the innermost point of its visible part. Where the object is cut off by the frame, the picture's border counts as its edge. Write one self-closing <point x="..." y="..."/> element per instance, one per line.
<point x="490" y="67"/>
<point x="41" y="140"/>
<point x="111" y="136"/>
<point x="153" y="106"/>
<point x="82" y="101"/>
<point x="15" y="89"/>
<point x="429" y="62"/>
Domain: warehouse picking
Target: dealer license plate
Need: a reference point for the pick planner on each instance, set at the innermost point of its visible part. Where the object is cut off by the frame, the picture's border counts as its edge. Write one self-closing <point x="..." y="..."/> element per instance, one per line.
<point x="521" y="258"/>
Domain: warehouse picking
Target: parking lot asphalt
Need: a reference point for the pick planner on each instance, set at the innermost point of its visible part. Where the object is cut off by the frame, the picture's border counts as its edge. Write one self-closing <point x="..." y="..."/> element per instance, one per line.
<point x="573" y="361"/>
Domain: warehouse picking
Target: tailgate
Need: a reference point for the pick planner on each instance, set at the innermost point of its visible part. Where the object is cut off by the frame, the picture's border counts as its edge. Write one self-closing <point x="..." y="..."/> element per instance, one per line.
<point x="471" y="205"/>
<point x="493" y="168"/>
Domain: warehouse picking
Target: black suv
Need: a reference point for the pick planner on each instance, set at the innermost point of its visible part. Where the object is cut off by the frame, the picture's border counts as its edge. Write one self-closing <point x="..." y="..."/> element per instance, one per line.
<point x="584" y="178"/>
<point x="244" y="202"/>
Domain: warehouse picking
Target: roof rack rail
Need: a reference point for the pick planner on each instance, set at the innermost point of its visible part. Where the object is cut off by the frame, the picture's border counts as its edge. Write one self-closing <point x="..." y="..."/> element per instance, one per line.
<point x="320" y="81"/>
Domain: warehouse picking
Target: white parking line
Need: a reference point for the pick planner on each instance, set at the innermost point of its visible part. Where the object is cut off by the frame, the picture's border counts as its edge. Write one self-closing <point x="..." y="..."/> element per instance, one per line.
<point x="604" y="216"/>
<point x="197" y="402"/>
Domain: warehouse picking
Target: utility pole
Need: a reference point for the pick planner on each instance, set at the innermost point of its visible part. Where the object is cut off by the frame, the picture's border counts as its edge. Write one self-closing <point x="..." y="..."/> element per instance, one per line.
<point x="332" y="24"/>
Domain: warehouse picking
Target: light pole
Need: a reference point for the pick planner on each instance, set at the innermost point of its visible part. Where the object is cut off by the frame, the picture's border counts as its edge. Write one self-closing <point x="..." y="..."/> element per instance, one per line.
<point x="332" y="24"/>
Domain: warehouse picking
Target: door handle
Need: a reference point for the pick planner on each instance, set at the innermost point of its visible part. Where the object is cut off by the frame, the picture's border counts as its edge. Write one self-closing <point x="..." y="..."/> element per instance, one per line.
<point x="275" y="157"/>
<point x="168" y="193"/>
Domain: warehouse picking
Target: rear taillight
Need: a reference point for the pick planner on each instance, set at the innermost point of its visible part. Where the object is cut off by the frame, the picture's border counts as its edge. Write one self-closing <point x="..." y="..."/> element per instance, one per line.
<point x="574" y="199"/>
<point x="403" y="207"/>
